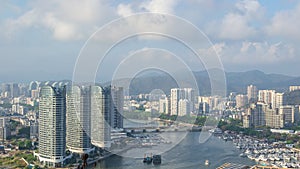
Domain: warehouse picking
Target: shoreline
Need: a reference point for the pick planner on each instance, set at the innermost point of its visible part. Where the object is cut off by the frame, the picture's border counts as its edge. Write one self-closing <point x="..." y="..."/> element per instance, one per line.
<point x="275" y="154"/>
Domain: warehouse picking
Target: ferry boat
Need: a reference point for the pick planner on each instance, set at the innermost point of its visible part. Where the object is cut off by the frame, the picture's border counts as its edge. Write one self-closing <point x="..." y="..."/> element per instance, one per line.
<point x="156" y="159"/>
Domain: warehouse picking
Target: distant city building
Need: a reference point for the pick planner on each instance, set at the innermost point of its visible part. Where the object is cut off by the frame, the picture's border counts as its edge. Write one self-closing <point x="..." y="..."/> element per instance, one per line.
<point x="213" y="101"/>
<point x="232" y="96"/>
<point x="15" y="90"/>
<point x="252" y="93"/>
<point x="168" y="105"/>
<point x="204" y="99"/>
<point x="78" y="119"/>
<point x="279" y="100"/>
<point x="181" y="93"/>
<point x="117" y="95"/>
<point x="255" y="116"/>
<point x="176" y="95"/>
<point x="101" y="116"/>
<point x="296" y="113"/>
<point x="35" y="93"/>
<point x="34" y="130"/>
<point x="17" y="108"/>
<point x="288" y="112"/>
<point x="4" y="128"/>
<point x="203" y="108"/>
<point x="52" y="126"/>
<point x="5" y="87"/>
<point x="259" y="115"/>
<point x="247" y="121"/>
<point x="162" y="105"/>
<point x="6" y="90"/>
<point x="241" y="100"/>
<point x="34" y="85"/>
<point x="268" y="97"/>
<point x="183" y="107"/>
<point x="262" y="114"/>
<point x="273" y="118"/>
<point x="189" y="95"/>
<point x="293" y="88"/>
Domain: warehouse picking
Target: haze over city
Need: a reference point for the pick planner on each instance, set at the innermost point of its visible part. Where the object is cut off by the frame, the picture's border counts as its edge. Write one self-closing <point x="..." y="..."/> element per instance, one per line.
<point x="152" y="83"/>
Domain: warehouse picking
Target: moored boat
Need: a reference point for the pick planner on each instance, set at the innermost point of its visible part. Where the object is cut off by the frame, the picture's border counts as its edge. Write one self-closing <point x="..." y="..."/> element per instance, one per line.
<point x="156" y="159"/>
<point x="148" y="159"/>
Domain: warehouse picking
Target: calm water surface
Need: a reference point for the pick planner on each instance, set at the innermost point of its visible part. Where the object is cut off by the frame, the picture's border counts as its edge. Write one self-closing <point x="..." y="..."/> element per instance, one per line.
<point x="189" y="153"/>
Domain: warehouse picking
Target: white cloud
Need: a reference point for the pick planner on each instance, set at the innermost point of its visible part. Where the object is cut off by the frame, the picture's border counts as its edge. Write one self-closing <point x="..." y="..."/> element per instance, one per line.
<point x="237" y="24"/>
<point x="61" y="30"/>
<point x="251" y="53"/>
<point x="250" y="8"/>
<point x="67" y="20"/>
<point x="124" y="10"/>
<point x="285" y="24"/>
<point x="159" y="6"/>
<point x="77" y="19"/>
<point x="254" y="52"/>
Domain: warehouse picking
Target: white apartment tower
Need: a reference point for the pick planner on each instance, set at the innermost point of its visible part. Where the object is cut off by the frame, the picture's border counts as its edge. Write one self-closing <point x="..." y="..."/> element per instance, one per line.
<point x="183" y="107"/>
<point x="181" y="93"/>
<point x="101" y="116"/>
<point x="117" y="95"/>
<point x="241" y="100"/>
<point x="268" y="97"/>
<point x="252" y="93"/>
<point x="52" y="126"/>
<point x="78" y="119"/>
<point x="279" y="100"/>
<point x="4" y="128"/>
<point x="175" y="97"/>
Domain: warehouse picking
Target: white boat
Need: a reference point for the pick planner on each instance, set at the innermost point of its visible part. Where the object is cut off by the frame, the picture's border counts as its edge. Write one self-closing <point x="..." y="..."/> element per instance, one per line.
<point x="206" y="162"/>
<point x="243" y="155"/>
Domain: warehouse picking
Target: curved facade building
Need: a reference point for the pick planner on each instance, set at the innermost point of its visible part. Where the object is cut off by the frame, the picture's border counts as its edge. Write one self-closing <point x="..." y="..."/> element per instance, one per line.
<point x="100" y="116"/>
<point x="78" y="119"/>
<point x="52" y="126"/>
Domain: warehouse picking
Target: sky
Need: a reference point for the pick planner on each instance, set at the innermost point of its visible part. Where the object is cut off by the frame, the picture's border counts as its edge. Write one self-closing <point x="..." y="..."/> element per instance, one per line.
<point x="41" y="40"/>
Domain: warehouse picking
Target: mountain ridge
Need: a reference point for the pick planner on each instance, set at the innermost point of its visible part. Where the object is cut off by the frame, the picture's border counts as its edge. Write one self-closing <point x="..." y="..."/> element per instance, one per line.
<point x="235" y="82"/>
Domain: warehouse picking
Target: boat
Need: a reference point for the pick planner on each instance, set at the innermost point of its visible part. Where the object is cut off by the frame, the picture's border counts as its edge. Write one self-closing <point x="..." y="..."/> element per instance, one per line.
<point x="243" y="155"/>
<point x="147" y="159"/>
<point x="206" y="162"/>
<point x="156" y="159"/>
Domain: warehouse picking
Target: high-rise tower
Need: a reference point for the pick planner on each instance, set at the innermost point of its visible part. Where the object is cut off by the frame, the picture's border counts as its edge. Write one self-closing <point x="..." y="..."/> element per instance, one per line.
<point x="252" y="93"/>
<point x="52" y="126"/>
<point x="101" y="116"/>
<point x="78" y="119"/>
<point x="117" y="95"/>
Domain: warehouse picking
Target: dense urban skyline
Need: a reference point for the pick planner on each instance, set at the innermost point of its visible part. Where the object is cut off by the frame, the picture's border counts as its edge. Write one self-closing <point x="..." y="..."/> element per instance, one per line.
<point x="129" y="84"/>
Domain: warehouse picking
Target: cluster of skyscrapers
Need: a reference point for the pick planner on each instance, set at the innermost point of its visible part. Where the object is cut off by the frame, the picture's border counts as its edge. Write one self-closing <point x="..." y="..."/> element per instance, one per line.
<point x="76" y="118"/>
<point x="266" y="108"/>
<point x="181" y="102"/>
<point x="11" y="90"/>
<point x="255" y="108"/>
